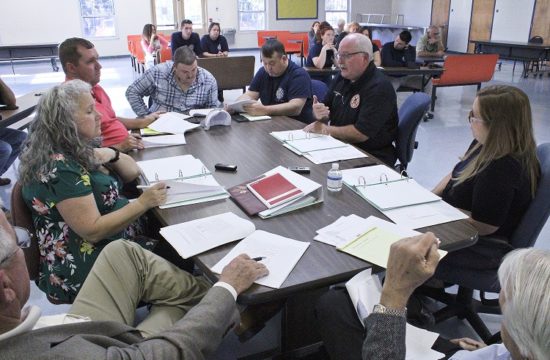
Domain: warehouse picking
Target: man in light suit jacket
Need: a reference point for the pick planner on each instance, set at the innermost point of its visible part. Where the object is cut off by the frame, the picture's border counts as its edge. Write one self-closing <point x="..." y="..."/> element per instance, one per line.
<point x="99" y="323"/>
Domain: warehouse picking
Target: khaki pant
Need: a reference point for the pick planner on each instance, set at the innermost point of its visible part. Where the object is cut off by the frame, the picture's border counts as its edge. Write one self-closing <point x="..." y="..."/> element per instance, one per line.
<point x="125" y="274"/>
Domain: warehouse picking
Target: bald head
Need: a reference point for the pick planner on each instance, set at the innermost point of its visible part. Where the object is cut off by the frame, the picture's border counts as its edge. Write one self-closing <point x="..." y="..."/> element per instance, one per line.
<point x="358" y="42"/>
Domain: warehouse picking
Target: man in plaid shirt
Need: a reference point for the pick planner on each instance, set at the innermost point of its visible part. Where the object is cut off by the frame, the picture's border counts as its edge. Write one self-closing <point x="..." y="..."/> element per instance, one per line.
<point x="178" y="85"/>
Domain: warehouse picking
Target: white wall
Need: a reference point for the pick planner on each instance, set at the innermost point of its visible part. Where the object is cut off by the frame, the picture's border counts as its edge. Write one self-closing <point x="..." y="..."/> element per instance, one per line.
<point x="417" y="12"/>
<point x="39" y="21"/>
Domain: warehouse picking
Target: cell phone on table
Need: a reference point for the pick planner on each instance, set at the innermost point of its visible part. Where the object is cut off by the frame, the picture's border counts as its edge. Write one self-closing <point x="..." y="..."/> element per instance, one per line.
<point x="225" y="167"/>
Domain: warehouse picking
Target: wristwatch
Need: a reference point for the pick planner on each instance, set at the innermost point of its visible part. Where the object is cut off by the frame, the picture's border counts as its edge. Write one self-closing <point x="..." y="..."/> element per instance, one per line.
<point x="381" y="309"/>
<point x="117" y="155"/>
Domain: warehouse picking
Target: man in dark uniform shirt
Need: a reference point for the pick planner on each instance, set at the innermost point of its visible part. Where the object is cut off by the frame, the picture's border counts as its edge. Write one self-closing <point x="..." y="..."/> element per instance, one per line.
<point x="186" y="37"/>
<point x="283" y="87"/>
<point x="361" y="106"/>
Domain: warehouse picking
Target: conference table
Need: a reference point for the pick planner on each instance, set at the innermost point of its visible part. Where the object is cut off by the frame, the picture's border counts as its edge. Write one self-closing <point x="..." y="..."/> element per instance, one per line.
<point x="512" y="50"/>
<point x="250" y="146"/>
<point x="26" y="105"/>
<point x="20" y="52"/>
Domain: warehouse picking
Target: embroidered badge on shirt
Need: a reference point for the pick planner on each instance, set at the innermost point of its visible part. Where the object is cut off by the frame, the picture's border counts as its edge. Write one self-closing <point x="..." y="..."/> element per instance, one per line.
<point x="279" y="94"/>
<point x="354" y="102"/>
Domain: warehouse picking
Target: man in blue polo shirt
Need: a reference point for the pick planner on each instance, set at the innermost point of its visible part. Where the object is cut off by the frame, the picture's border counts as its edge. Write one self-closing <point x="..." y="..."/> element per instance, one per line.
<point x="283" y="87"/>
<point x="186" y="37"/>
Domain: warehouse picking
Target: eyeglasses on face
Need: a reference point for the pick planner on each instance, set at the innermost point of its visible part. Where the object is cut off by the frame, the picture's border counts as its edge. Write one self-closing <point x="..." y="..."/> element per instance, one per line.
<point x="346" y="56"/>
<point x="472" y="118"/>
<point x="23" y="238"/>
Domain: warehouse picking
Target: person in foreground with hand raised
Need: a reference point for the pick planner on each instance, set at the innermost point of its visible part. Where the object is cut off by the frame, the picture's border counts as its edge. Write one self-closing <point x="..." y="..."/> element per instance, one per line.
<point x="100" y="323"/>
<point x="360" y="107"/>
<point x="72" y="187"/>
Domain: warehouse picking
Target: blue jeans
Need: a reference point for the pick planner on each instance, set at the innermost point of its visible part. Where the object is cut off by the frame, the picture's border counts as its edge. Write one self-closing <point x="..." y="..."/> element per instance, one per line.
<point x="10" y="147"/>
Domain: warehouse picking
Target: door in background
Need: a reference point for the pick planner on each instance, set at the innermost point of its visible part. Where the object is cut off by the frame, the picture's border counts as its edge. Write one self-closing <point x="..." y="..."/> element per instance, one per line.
<point x="459" y="25"/>
<point x="482" y="21"/>
<point x="440" y="17"/>
<point x="512" y="21"/>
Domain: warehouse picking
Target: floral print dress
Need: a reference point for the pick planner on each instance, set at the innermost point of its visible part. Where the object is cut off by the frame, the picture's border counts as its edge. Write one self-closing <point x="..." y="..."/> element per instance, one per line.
<point x="66" y="258"/>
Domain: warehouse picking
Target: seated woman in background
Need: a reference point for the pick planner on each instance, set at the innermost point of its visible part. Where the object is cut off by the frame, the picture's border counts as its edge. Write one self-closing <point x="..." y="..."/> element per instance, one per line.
<point x="365" y="30"/>
<point x="311" y="34"/>
<point x="151" y="44"/>
<point x="496" y="179"/>
<point x="321" y="55"/>
<point x="72" y="187"/>
<point x="213" y="44"/>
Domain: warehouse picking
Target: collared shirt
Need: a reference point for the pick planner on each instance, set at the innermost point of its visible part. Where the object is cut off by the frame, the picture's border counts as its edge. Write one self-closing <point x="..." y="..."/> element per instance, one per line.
<point x="161" y="85"/>
<point x="294" y="83"/>
<point x="369" y="104"/>
<point x="113" y="130"/>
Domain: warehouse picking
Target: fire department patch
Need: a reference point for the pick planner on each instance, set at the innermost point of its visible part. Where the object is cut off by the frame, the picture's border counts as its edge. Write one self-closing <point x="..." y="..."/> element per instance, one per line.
<point x="354" y="102"/>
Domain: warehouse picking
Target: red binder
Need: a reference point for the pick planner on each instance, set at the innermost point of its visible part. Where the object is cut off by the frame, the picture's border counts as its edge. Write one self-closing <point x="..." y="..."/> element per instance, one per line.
<point x="274" y="190"/>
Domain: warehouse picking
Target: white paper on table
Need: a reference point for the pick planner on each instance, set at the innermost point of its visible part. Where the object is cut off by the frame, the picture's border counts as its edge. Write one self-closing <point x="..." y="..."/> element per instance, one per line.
<point x="315" y="143"/>
<point x="172" y="168"/>
<point x="172" y="122"/>
<point x="369" y="175"/>
<point x="194" y="237"/>
<point x="395" y="194"/>
<point x="201" y="112"/>
<point x="281" y="255"/>
<point x="208" y="189"/>
<point x="419" y="216"/>
<point x="256" y="117"/>
<point x="306" y="185"/>
<point x="418" y="344"/>
<point x="237" y="106"/>
<point x="163" y="140"/>
<point x="336" y="154"/>
<point x="288" y="135"/>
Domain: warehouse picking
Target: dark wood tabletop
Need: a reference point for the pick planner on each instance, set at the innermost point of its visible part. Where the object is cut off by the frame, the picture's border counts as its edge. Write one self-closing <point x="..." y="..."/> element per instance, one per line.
<point x="26" y="104"/>
<point x="254" y="151"/>
<point x="423" y="70"/>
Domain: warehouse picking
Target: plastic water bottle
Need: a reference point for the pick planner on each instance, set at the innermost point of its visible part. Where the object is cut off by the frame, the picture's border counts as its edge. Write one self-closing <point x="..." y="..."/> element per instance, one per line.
<point x="334" y="178"/>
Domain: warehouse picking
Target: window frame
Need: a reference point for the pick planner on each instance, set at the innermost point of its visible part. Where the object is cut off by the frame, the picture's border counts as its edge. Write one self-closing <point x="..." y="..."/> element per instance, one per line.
<point x="250" y="11"/>
<point x="339" y="11"/>
<point x="109" y="16"/>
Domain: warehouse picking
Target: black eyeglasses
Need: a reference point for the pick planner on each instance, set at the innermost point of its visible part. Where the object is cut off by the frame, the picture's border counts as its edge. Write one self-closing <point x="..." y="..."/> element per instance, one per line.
<point x="472" y="118"/>
<point x="23" y="238"/>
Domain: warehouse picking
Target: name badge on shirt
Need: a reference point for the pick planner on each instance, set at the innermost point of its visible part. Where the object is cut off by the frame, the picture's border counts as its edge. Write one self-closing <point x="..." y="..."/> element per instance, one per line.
<point x="354" y="102"/>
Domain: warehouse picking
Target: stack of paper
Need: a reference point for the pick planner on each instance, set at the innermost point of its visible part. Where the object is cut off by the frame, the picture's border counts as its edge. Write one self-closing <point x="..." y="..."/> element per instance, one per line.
<point x="317" y="148"/>
<point x="280" y="255"/>
<point x="238" y="106"/>
<point x="276" y="192"/>
<point x="401" y="199"/>
<point x="163" y="140"/>
<point x="172" y="123"/>
<point x="189" y="180"/>
<point x="365" y="290"/>
<point x="369" y="239"/>
<point x="197" y="236"/>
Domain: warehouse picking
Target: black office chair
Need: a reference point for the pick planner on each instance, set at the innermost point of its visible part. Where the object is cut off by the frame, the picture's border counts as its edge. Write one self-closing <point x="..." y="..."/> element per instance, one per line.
<point x="319" y="88"/>
<point x="536" y="64"/>
<point x="462" y="304"/>
<point x="410" y="114"/>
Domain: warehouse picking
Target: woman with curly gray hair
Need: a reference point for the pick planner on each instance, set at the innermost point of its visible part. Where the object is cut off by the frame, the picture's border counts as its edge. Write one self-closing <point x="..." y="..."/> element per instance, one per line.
<point x="72" y="188"/>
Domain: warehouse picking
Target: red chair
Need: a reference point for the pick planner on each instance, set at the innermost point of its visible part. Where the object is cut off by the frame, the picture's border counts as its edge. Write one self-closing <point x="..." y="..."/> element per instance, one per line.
<point x="377" y="43"/>
<point x="264" y="35"/>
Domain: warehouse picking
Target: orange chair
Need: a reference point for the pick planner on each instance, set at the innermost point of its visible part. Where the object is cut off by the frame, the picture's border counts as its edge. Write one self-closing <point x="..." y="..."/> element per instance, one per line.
<point x="164" y="55"/>
<point x="264" y="35"/>
<point x="461" y="70"/>
<point x="134" y="45"/>
<point x="295" y="43"/>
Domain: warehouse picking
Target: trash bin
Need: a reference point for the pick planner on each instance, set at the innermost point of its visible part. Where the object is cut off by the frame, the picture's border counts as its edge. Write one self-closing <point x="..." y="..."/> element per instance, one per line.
<point x="229" y="34"/>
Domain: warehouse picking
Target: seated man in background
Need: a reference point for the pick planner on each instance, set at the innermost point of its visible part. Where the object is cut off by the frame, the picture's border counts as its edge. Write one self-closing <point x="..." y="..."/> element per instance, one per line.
<point x="100" y="322"/>
<point x="430" y="45"/>
<point x="10" y="139"/>
<point x="283" y="87"/>
<point x="400" y="54"/>
<point x="80" y="60"/>
<point x="524" y="277"/>
<point x="186" y="37"/>
<point x="177" y="85"/>
<point x="361" y="106"/>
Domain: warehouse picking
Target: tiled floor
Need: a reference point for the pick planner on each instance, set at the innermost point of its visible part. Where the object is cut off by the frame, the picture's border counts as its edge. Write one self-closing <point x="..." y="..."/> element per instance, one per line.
<point x="441" y="141"/>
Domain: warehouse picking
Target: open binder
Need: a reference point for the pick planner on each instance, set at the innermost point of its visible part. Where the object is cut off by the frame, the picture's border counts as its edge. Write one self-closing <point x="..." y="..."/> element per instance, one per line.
<point x="317" y="148"/>
<point x="189" y="180"/>
<point x="276" y="184"/>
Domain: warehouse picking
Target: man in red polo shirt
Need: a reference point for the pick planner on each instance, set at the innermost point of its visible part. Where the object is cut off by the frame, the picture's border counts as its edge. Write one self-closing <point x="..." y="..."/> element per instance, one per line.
<point x="80" y="60"/>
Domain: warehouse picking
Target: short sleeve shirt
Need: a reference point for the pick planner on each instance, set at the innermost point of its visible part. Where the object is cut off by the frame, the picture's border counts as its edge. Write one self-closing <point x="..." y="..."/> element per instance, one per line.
<point x="66" y="258"/>
<point x="113" y="130"/>
<point x="370" y="105"/>
<point x="214" y="46"/>
<point x="424" y="45"/>
<point x="499" y="195"/>
<point x="315" y="51"/>
<point x="294" y="83"/>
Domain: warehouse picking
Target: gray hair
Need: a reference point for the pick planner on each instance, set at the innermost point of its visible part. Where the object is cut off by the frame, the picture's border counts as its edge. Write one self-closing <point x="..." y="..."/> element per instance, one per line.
<point x="184" y="55"/>
<point x="54" y="130"/>
<point x="525" y="279"/>
<point x="361" y="42"/>
<point x="7" y="246"/>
